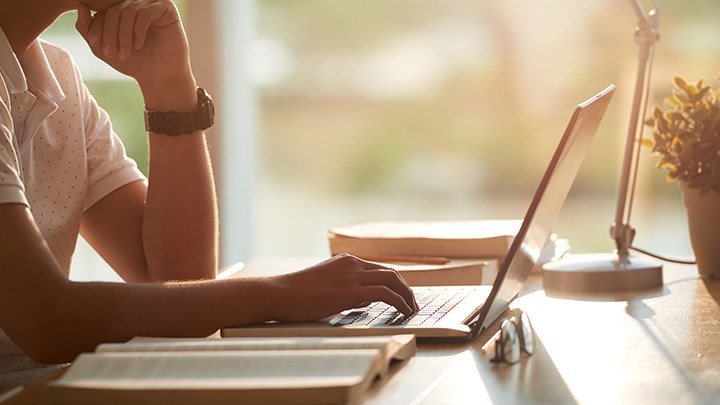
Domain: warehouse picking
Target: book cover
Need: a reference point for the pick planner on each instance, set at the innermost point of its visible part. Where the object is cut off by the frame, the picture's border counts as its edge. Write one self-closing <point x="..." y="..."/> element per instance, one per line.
<point x="454" y="239"/>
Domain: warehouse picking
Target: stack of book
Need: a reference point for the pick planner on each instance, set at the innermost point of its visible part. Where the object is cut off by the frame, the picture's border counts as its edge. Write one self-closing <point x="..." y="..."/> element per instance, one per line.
<point x="433" y="253"/>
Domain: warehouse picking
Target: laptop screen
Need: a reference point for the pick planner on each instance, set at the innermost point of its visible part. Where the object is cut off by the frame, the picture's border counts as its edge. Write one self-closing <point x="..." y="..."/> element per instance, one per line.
<point x="545" y="206"/>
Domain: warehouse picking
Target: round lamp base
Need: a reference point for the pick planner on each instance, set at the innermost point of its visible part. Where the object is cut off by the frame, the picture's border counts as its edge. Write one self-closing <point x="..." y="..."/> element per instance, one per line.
<point x="601" y="272"/>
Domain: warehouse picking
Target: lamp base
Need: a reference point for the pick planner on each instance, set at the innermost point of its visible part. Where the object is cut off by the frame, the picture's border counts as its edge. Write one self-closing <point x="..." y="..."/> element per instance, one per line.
<point x="601" y="272"/>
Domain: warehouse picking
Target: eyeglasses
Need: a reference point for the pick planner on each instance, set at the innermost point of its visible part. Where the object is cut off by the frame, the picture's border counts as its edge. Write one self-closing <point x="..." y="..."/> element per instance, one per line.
<point x="516" y="336"/>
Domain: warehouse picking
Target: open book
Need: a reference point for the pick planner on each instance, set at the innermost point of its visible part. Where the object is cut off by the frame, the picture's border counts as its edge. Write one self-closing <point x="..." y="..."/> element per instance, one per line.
<point x="234" y="370"/>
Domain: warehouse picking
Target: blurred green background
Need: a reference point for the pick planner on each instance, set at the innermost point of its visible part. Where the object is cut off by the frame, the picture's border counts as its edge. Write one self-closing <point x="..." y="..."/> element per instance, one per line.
<point x="444" y="110"/>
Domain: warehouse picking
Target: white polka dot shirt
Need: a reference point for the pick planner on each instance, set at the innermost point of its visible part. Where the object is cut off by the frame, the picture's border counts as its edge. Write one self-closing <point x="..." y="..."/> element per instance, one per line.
<point x="58" y="155"/>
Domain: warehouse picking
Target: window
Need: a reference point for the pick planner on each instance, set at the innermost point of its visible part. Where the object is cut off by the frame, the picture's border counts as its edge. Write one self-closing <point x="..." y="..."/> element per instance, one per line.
<point x="421" y="110"/>
<point x="449" y="110"/>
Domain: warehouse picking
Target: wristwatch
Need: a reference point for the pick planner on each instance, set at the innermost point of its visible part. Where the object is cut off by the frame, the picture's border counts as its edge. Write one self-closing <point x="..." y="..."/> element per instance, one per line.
<point x="175" y="123"/>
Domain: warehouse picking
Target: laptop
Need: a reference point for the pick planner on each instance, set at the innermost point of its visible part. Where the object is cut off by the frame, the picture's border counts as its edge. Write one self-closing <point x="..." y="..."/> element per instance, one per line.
<point x="458" y="313"/>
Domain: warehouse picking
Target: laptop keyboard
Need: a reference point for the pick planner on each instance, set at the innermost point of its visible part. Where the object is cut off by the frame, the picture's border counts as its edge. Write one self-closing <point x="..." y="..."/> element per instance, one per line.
<point x="434" y="303"/>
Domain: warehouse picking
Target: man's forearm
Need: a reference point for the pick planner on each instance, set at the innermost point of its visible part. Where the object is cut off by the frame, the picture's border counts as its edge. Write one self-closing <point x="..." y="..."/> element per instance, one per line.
<point x="180" y="225"/>
<point x="120" y="312"/>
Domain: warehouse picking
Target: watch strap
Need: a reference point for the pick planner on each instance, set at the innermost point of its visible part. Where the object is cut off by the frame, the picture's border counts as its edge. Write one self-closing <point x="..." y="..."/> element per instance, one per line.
<point x="176" y="123"/>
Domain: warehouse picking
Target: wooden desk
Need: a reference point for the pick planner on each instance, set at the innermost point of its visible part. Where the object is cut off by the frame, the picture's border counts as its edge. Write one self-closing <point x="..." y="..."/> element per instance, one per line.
<point x="662" y="346"/>
<point x="658" y="347"/>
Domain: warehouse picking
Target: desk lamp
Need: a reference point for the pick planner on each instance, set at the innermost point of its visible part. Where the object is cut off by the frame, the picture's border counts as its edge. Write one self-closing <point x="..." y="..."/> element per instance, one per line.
<point x="619" y="271"/>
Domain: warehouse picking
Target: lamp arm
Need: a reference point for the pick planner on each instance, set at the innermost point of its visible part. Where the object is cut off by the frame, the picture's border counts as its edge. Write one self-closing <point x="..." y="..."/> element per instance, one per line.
<point x="645" y="36"/>
<point x="651" y="18"/>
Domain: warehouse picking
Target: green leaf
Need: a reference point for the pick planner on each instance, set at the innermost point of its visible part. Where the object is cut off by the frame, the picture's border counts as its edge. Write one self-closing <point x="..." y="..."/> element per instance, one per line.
<point x="671" y="101"/>
<point x="658" y="113"/>
<point x="680" y="83"/>
<point x="683" y="98"/>
<point x="702" y="93"/>
<point x="648" y="143"/>
<point x="675" y="116"/>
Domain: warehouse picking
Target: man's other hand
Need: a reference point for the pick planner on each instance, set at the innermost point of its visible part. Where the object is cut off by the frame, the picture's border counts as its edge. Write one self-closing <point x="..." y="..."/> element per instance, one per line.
<point x="143" y="39"/>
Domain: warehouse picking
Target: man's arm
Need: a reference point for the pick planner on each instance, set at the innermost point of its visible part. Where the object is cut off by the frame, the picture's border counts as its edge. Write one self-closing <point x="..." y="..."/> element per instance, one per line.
<point x="165" y="232"/>
<point x="53" y="319"/>
<point x="177" y="238"/>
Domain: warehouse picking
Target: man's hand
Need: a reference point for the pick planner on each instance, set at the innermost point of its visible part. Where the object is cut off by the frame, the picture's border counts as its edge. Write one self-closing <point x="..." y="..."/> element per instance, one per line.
<point x="340" y="283"/>
<point x="145" y="40"/>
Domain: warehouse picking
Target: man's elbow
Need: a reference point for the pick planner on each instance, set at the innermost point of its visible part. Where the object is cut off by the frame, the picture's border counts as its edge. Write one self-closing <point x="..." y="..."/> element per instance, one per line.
<point x="49" y="353"/>
<point x="45" y="346"/>
<point x="54" y="331"/>
<point x="183" y="268"/>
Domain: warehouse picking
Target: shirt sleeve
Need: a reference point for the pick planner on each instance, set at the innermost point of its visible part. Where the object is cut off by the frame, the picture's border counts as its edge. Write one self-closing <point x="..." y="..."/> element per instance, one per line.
<point x="12" y="189"/>
<point x="109" y="167"/>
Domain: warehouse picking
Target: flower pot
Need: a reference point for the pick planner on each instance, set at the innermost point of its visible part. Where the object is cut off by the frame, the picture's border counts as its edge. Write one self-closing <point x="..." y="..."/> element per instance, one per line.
<point x="704" y="225"/>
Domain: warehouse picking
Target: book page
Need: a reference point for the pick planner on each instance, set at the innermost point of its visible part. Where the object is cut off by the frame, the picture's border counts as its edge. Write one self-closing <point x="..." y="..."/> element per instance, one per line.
<point x="456" y="272"/>
<point x="221" y="370"/>
<point x="452" y="264"/>
<point x="391" y="344"/>
<point x="439" y="229"/>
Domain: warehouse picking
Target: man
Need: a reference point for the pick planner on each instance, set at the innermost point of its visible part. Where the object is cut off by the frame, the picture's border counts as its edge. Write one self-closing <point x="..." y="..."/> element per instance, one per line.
<point x="64" y="171"/>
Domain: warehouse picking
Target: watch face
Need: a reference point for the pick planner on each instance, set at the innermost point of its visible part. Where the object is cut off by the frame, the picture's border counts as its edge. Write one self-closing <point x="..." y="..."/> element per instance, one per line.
<point x="206" y="109"/>
<point x="203" y="95"/>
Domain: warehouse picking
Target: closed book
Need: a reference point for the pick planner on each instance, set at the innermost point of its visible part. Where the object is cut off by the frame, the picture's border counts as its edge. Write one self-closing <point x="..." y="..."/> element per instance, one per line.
<point x="453" y="239"/>
<point x="454" y="272"/>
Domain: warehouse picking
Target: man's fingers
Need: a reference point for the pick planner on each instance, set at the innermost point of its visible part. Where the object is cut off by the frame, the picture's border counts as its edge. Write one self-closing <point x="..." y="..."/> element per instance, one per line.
<point x="369" y="265"/>
<point x="388" y="296"/>
<point x="82" y="25"/>
<point x="111" y="25"/>
<point x="95" y="33"/>
<point x="392" y="280"/>
<point x="120" y="29"/>
<point x="372" y="274"/>
<point x="143" y="21"/>
<point x="126" y="31"/>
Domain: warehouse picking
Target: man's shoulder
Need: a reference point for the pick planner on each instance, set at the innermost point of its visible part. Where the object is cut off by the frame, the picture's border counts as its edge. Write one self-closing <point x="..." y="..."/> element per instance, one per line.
<point x="62" y="64"/>
<point x="53" y="50"/>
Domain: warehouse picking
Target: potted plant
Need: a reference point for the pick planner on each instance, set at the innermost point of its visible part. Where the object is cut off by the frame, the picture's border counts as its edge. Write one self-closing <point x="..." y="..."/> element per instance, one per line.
<point x="687" y="138"/>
